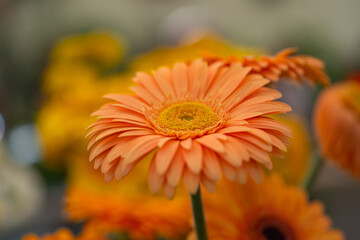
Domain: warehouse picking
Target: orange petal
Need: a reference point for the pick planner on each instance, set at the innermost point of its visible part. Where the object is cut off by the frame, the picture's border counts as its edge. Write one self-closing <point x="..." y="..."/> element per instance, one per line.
<point x="162" y="76"/>
<point x="235" y="152"/>
<point x="139" y="147"/>
<point x="211" y="141"/>
<point x="169" y="191"/>
<point x="194" y="157"/>
<point x="258" y="154"/>
<point x="191" y="180"/>
<point x="179" y="77"/>
<point x="176" y="169"/>
<point x="148" y="82"/>
<point x="155" y="179"/>
<point x="212" y="167"/>
<point x="231" y="84"/>
<point x="228" y="170"/>
<point x="208" y="183"/>
<point x="186" y="144"/>
<point x="128" y="100"/>
<point x="241" y="175"/>
<point x="164" y="156"/>
<point x="255" y="172"/>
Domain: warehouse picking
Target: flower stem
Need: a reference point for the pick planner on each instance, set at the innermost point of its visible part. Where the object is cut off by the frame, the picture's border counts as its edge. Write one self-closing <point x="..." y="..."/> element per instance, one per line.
<point x="313" y="172"/>
<point x="198" y="215"/>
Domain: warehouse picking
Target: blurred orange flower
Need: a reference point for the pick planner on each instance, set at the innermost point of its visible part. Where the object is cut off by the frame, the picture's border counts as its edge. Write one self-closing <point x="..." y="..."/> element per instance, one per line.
<point x="127" y="206"/>
<point x="140" y="218"/>
<point x="337" y="124"/>
<point x="201" y="119"/>
<point x="269" y="210"/>
<point x="89" y="232"/>
<point x="61" y="234"/>
<point x="298" y="67"/>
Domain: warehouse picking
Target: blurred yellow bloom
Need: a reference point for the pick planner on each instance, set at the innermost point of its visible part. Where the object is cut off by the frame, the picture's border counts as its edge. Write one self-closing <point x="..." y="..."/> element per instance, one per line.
<point x="64" y="76"/>
<point x="99" y="47"/>
<point x="73" y="83"/>
<point x="295" y="162"/>
<point x="63" y="118"/>
<point x="204" y="47"/>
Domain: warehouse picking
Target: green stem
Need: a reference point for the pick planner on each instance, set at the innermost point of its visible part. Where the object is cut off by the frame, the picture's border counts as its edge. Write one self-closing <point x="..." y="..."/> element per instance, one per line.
<point x="198" y="215"/>
<point x="313" y="172"/>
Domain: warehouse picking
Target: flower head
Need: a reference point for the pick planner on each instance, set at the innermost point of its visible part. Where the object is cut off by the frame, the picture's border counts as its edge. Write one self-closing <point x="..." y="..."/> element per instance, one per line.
<point x="266" y="211"/>
<point x="337" y="124"/>
<point x="201" y="119"/>
<point x="298" y="67"/>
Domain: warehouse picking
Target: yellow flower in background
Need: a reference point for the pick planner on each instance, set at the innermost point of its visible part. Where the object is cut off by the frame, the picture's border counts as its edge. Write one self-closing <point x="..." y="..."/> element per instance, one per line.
<point x="73" y="83"/>
<point x="124" y="207"/>
<point x="61" y="77"/>
<point x="337" y="124"/>
<point x="266" y="211"/>
<point x="78" y="59"/>
<point x="63" y="118"/>
<point x="96" y="47"/>
<point x="293" y="166"/>
<point x="210" y="46"/>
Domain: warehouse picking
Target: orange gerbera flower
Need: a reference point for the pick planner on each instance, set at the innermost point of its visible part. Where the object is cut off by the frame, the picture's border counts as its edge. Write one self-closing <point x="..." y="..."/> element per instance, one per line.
<point x="202" y="119"/>
<point x="146" y="219"/>
<point x="299" y="67"/>
<point x="266" y="211"/>
<point x="337" y="124"/>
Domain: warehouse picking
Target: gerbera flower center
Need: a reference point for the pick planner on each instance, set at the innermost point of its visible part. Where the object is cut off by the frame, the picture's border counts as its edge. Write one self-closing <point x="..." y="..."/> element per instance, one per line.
<point x="188" y="116"/>
<point x="274" y="228"/>
<point x="273" y="233"/>
<point x="184" y="118"/>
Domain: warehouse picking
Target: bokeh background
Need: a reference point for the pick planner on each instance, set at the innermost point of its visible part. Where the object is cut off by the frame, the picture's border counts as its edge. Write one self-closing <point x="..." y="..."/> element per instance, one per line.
<point x="327" y="29"/>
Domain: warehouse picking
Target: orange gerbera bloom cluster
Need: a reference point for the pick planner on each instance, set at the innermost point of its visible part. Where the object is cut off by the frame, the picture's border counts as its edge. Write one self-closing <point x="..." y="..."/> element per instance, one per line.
<point x="202" y="119"/>
<point x="266" y="211"/>
<point x="337" y="124"/>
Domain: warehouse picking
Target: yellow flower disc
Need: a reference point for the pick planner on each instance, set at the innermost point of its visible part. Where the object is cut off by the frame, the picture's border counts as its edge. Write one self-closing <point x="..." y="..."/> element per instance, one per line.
<point x="188" y="116"/>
